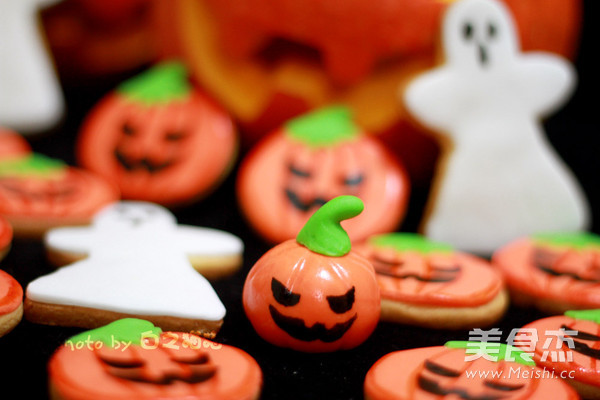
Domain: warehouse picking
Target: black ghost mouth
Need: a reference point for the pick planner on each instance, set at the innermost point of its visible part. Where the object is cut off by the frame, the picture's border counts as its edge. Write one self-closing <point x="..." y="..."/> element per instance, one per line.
<point x="301" y="205"/>
<point x="143" y="164"/>
<point x="483" y="55"/>
<point x="583" y="348"/>
<point x="296" y="328"/>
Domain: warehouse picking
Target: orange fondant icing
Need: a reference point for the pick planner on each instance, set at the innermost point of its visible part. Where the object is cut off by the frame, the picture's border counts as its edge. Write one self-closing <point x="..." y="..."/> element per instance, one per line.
<point x="11" y="293"/>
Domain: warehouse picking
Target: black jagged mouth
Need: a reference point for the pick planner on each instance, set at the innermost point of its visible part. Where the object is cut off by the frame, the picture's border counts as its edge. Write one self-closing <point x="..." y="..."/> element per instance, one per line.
<point x="143" y="164"/>
<point x="296" y="328"/>
<point x="302" y="205"/>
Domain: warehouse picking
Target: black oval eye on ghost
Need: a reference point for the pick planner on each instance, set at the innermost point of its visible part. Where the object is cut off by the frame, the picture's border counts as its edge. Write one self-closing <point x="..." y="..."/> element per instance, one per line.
<point x="343" y="303"/>
<point x="300" y="173"/>
<point x="492" y="30"/>
<point x="354" y="180"/>
<point x="175" y="136"/>
<point x="468" y="31"/>
<point x="283" y="295"/>
<point x="127" y="129"/>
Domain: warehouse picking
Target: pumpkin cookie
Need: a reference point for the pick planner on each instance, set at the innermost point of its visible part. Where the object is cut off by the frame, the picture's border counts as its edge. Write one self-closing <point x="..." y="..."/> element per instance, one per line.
<point x="553" y="272"/>
<point x="313" y="294"/>
<point x="132" y="359"/>
<point x="11" y="303"/>
<point x="38" y="193"/>
<point x="311" y="160"/>
<point x="137" y="265"/>
<point x="428" y="284"/>
<point x="6" y="235"/>
<point x="569" y="345"/>
<point x="456" y="371"/>
<point x="158" y="138"/>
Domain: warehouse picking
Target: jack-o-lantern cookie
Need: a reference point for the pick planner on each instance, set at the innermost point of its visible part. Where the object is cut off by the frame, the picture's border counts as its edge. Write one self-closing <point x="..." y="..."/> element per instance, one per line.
<point x="429" y="284"/>
<point x="313" y="293"/>
<point x="158" y="138"/>
<point x="311" y="160"/>
<point x="131" y="359"/>
<point x="137" y="266"/>
<point x="11" y="303"/>
<point x="569" y="345"/>
<point x="38" y="193"/>
<point x="553" y="272"/>
<point x="462" y="370"/>
<point x="6" y="235"/>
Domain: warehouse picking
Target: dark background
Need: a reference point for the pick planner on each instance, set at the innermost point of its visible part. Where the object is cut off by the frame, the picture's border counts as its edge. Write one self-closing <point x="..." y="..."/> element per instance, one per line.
<point x="288" y="374"/>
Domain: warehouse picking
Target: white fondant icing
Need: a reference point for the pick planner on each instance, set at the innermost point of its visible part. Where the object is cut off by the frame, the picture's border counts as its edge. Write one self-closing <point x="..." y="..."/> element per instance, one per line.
<point x="500" y="179"/>
<point x="30" y="95"/>
<point x="137" y="264"/>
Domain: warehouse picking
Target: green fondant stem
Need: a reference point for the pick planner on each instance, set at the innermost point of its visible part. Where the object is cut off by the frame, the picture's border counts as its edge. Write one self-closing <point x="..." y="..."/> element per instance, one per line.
<point x="127" y="330"/>
<point x="323" y="128"/>
<point x="504" y="350"/>
<point x="161" y="84"/>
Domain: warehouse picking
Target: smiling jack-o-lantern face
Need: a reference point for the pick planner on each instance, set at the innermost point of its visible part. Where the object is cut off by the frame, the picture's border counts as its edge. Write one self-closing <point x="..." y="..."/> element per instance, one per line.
<point x="443" y="372"/>
<point x="312" y="160"/>
<point x="304" y="297"/>
<point x="168" y="365"/>
<point x="558" y="272"/>
<point x="159" y="139"/>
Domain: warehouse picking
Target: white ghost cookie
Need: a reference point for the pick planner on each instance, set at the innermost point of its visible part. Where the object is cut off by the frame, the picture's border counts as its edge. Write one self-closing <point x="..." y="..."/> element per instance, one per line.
<point x="137" y="266"/>
<point x="499" y="178"/>
<point x="30" y="96"/>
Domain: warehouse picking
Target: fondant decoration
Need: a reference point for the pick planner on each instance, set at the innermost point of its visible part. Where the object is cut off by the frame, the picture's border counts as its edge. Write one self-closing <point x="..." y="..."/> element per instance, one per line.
<point x="569" y="346"/>
<point x="137" y="266"/>
<point x="554" y="272"/>
<point x="158" y="138"/>
<point x="11" y="303"/>
<point x="496" y="372"/>
<point x="314" y="294"/>
<point x="429" y="284"/>
<point x="31" y="98"/>
<point x="311" y="160"/>
<point x="6" y="235"/>
<point x="38" y="193"/>
<point x="130" y="358"/>
<point x="500" y="179"/>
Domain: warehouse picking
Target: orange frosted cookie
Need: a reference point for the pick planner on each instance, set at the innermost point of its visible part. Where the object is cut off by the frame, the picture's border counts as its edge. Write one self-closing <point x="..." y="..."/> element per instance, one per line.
<point x="453" y="371"/>
<point x="429" y="284"/>
<point x="11" y="303"/>
<point x="553" y="272"/>
<point x="131" y="359"/>
<point x="6" y="235"/>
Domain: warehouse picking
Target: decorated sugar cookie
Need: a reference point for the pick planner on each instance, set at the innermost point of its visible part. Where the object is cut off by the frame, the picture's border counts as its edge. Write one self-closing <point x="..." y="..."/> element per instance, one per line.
<point x="574" y="342"/>
<point x="313" y="293"/>
<point x="38" y="193"/>
<point x="461" y="370"/>
<point x="429" y="284"/>
<point x="6" y="235"/>
<point x="553" y="272"/>
<point x="500" y="178"/>
<point x="137" y="265"/>
<point x="31" y="99"/>
<point x="132" y="359"/>
<point x="311" y="160"/>
<point x="11" y="303"/>
<point x="158" y="138"/>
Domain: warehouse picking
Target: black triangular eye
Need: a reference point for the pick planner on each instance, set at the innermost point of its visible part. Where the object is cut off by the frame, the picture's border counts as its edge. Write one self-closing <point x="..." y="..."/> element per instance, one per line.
<point x="343" y="303"/>
<point x="127" y="129"/>
<point x="175" y="136"/>
<point x="468" y="30"/>
<point x="283" y="295"/>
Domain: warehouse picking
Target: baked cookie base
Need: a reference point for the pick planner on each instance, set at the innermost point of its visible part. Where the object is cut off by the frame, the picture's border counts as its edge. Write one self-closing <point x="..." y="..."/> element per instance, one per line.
<point x="90" y="318"/>
<point x="10" y="320"/>
<point x="586" y="391"/>
<point x="438" y="317"/>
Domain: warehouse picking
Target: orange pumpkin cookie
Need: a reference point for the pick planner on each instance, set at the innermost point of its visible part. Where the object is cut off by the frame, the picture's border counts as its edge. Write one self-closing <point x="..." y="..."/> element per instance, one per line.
<point x="453" y="371"/>
<point x="311" y="160"/>
<point x="131" y="359"/>
<point x="314" y="294"/>
<point x="553" y="272"/>
<point x="6" y="235"/>
<point x="38" y="193"/>
<point x="429" y="284"/>
<point x="11" y="303"/>
<point x="569" y="345"/>
<point x="158" y="138"/>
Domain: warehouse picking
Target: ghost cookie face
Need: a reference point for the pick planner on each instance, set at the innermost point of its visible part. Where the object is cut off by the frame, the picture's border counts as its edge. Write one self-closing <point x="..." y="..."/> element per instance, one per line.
<point x="453" y="371"/>
<point x="553" y="272"/>
<point x="11" y="303"/>
<point x="38" y="193"/>
<point x="158" y="138"/>
<point x="313" y="294"/>
<point x="512" y="91"/>
<point x="132" y="359"/>
<point x="311" y="160"/>
<point x="428" y="284"/>
<point x="574" y="340"/>
<point x="138" y="251"/>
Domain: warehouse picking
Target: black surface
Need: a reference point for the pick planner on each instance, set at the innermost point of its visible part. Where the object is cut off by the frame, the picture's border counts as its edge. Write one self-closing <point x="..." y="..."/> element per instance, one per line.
<point x="24" y="352"/>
